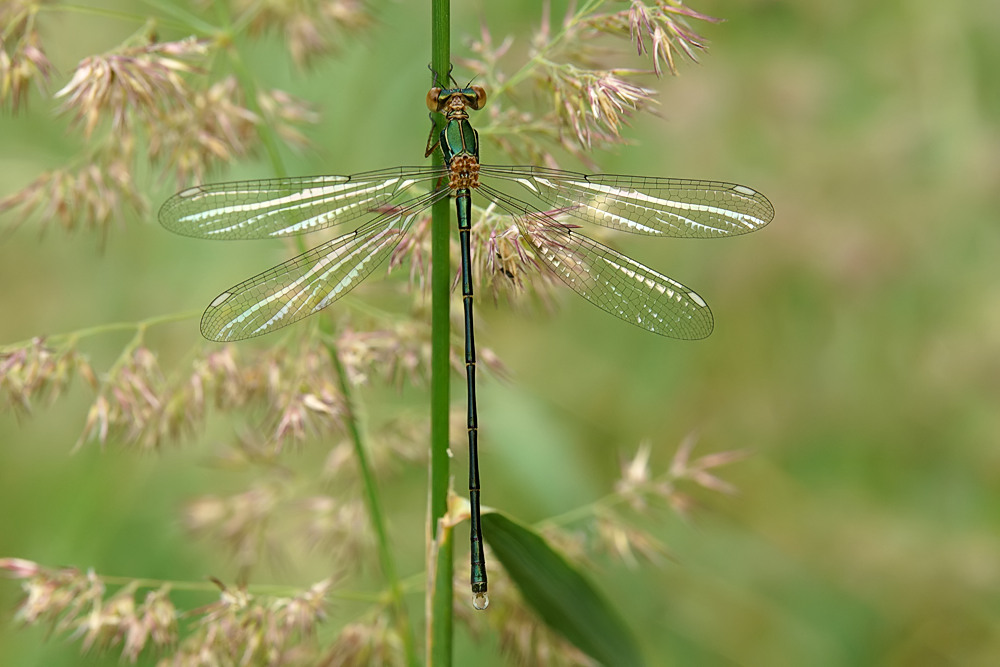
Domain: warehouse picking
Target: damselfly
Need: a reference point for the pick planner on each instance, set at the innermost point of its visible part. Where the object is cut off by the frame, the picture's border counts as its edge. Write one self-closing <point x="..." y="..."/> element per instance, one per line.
<point x="301" y="286"/>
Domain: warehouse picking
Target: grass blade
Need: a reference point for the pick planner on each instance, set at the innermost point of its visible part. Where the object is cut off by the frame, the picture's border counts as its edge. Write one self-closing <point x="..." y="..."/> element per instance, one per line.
<point x="559" y="593"/>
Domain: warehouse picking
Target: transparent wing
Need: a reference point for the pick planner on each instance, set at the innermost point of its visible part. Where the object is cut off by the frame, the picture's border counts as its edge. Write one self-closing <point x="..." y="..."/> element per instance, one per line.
<point x="284" y="206"/>
<point x="644" y="204"/>
<point x="310" y="282"/>
<point x="608" y="279"/>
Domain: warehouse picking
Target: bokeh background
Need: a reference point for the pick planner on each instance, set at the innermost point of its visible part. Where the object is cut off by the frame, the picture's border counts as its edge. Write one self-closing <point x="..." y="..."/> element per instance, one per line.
<point x="856" y="352"/>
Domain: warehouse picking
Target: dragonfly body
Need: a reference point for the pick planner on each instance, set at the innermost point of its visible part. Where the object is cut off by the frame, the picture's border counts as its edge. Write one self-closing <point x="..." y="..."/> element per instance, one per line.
<point x="308" y="283"/>
<point x="459" y="143"/>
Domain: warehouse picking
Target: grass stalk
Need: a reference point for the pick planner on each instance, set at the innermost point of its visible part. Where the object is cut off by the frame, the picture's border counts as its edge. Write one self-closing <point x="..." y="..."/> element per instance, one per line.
<point x="440" y="544"/>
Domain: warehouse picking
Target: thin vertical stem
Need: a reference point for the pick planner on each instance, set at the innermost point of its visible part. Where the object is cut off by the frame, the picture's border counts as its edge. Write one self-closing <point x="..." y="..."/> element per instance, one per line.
<point x="440" y="544"/>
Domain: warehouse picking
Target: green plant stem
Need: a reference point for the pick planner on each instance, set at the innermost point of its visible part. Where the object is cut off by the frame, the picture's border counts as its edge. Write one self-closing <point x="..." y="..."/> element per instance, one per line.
<point x="440" y="550"/>
<point x="375" y="513"/>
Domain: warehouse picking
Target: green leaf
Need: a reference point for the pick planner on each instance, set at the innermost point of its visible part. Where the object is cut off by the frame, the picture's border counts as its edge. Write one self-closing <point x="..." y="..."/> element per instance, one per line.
<point x="560" y="595"/>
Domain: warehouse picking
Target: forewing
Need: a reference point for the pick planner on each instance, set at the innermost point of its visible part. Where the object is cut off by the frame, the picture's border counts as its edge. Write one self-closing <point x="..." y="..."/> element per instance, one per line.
<point x="310" y="282"/>
<point x="643" y="204"/>
<point x="610" y="280"/>
<point x="279" y="207"/>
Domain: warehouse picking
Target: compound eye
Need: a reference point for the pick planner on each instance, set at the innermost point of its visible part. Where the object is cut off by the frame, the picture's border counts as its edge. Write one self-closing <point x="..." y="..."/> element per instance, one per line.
<point x="480" y="100"/>
<point x="434" y="99"/>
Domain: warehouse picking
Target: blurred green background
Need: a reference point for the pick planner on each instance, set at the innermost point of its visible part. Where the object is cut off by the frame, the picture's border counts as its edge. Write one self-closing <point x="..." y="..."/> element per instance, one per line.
<point x="856" y="351"/>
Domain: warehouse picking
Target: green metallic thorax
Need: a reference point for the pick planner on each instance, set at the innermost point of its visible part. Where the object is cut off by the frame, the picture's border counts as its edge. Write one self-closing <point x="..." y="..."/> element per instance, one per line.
<point x="459" y="138"/>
